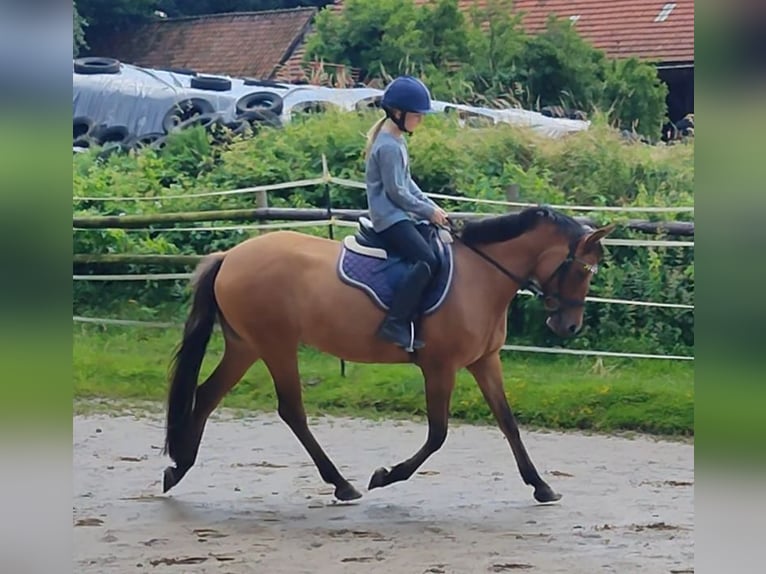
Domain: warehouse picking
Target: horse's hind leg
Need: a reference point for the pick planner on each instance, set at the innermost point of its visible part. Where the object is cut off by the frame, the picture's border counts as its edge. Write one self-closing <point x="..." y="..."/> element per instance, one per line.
<point x="439" y="383"/>
<point x="488" y="373"/>
<point x="283" y="366"/>
<point x="237" y="358"/>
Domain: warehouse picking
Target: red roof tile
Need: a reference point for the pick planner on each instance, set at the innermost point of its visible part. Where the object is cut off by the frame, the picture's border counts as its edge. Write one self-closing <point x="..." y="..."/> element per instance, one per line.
<point x="623" y="28"/>
<point x="236" y="44"/>
<point x="295" y="68"/>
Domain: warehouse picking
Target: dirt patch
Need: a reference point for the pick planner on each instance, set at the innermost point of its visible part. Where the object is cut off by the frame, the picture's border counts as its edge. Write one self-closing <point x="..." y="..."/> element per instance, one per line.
<point x="255" y="502"/>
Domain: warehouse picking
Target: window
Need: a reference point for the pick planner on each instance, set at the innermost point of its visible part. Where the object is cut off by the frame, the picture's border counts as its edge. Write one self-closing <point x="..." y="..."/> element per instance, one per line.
<point x="665" y="12"/>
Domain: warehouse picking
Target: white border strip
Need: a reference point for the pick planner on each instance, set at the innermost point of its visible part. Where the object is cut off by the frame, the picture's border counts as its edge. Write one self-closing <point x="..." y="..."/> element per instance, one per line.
<point x="560" y="351"/>
<point x="126" y="322"/>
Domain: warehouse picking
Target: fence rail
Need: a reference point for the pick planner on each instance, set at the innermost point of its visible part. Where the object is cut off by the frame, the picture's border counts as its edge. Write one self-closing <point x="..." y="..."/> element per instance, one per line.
<point x="279" y="218"/>
<point x="326" y="178"/>
<point x="318" y="216"/>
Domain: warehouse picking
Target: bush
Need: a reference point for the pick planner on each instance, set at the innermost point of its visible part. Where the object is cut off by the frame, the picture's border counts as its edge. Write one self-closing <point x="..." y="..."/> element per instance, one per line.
<point x="593" y="167"/>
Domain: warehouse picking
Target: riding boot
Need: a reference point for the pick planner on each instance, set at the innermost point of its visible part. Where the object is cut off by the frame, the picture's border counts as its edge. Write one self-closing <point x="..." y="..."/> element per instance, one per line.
<point x="397" y="327"/>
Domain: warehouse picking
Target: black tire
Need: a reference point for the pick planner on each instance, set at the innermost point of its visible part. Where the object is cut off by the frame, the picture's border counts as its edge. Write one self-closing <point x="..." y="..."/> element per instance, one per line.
<point x="146" y="140"/>
<point x="207" y="121"/>
<point x="211" y="83"/>
<point x="84" y="142"/>
<point x="96" y="65"/>
<point x="371" y="103"/>
<point x="81" y="127"/>
<point x="184" y="110"/>
<point x="554" y="112"/>
<point x="262" y="118"/>
<point x="239" y="126"/>
<point x="312" y="107"/>
<point x="159" y="143"/>
<point x="577" y="115"/>
<point x="111" y="134"/>
<point x="110" y="148"/>
<point x="260" y="101"/>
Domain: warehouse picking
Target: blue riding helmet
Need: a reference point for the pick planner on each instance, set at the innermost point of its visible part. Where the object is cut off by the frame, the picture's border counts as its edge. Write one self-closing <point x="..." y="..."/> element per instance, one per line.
<point x="407" y="94"/>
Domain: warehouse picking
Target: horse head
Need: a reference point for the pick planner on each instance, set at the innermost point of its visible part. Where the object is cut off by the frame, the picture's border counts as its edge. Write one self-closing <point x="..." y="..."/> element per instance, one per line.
<point x="567" y="279"/>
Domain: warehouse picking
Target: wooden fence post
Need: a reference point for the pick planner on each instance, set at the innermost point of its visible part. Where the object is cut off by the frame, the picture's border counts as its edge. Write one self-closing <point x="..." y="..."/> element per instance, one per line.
<point x="330" y="232"/>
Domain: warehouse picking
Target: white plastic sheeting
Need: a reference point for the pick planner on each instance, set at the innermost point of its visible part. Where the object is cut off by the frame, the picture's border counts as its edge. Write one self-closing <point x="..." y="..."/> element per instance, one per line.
<point x="139" y="98"/>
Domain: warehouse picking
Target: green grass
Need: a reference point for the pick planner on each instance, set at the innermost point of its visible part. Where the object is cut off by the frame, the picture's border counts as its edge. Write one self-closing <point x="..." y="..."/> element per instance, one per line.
<point x="651" y="396"/>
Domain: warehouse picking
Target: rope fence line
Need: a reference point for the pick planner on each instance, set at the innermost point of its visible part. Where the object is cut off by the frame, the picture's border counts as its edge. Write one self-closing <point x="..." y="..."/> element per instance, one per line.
<point x="136" y="277"/>
<point x="621" y="242"/>
<point x="243" y="190"/>
<point x="522" y="348"/>
<point x="185" y="276"/>
<point x="343" y="182"/>
<point x="637" y="209"/>
<point x="342" y="223"/>
<point x="282" y="225"/>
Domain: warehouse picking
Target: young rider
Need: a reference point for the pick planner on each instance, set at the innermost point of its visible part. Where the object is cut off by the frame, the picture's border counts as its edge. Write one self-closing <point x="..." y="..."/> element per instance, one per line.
<point x="394" y="202"/>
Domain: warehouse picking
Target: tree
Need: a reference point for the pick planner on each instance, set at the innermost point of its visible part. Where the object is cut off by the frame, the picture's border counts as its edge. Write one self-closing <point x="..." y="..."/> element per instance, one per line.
<point x="377" y="37"/>
<point x="496" y="40"/>
<point x="558" y="67"/>
<point x="635" y="96"/>
<point x="116" y="13"/>
<point x="78" y="31"/>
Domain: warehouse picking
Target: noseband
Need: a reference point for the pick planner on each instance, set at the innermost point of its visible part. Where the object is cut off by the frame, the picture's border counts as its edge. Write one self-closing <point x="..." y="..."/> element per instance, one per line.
<point x="559" y="303"/>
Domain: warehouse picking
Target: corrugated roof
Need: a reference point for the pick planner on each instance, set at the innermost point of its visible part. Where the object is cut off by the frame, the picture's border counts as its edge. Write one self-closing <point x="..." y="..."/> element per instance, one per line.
<point x="236" y="44"/>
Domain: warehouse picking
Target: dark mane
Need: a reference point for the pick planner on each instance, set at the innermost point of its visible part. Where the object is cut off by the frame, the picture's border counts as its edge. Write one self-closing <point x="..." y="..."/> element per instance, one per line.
<point x="505" y="227"/>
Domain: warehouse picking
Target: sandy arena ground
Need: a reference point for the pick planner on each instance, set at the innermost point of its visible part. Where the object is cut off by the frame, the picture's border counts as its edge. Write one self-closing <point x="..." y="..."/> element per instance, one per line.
<point x="255" y="502"/>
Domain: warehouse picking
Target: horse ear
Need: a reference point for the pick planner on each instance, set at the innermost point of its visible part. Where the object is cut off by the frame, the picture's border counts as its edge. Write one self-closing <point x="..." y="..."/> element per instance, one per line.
<point x="592" y="239"/>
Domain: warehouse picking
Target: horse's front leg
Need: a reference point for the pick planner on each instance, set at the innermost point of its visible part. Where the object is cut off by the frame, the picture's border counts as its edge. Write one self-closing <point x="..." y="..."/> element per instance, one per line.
<point x="439" y="382"/>
<point x="488" y="373"/>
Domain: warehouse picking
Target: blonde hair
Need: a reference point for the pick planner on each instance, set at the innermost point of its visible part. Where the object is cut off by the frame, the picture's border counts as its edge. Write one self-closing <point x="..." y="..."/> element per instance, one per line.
<point x="372" y="134"/>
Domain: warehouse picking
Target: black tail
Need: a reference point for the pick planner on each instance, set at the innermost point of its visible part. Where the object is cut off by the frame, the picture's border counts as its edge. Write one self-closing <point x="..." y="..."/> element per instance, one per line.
<point x="188" y="357"/>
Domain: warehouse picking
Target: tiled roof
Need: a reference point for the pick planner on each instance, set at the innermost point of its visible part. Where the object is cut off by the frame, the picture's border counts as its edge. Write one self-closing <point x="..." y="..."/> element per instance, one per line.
<point x="294" y="68"/>
<point x="648" y="29"/>
<point x="237" y="44"/>
<point x="621" y="28"/>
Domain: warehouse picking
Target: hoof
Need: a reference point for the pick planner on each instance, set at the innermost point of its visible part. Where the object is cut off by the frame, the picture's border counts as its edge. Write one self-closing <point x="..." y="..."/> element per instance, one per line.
<point x="347" y="492"/>
<point x="545" y="495"/>
<point x="379" y="478"/>
<point x="169" y="479"/>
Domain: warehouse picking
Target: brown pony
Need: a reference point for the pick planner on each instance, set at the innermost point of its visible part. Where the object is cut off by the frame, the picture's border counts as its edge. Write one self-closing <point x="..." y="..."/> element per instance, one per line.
<point x="278" y="291"/>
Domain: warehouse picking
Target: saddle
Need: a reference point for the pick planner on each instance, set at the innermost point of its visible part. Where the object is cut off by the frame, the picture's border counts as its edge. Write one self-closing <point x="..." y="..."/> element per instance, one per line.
<point x="365" y="263"/>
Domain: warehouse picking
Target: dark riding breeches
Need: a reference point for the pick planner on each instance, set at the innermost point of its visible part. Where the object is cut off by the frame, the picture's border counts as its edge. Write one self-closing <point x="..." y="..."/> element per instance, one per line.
<point x="405" y="240"/>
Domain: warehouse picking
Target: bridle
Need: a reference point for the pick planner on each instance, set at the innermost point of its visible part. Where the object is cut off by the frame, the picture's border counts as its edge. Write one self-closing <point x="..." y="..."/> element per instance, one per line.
<point x="538" y="289"/>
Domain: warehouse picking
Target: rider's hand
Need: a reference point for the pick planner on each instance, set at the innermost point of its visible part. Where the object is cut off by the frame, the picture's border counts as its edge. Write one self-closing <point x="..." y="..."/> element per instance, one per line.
<point x="439" y="217"/>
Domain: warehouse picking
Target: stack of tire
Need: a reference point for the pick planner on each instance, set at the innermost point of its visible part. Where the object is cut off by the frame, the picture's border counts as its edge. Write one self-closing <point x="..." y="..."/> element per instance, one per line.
<point x="253" y="110"/>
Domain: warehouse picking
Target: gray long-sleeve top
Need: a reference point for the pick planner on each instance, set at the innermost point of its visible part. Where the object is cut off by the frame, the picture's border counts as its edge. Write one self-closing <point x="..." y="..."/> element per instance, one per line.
<point x="392" y="196"/>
